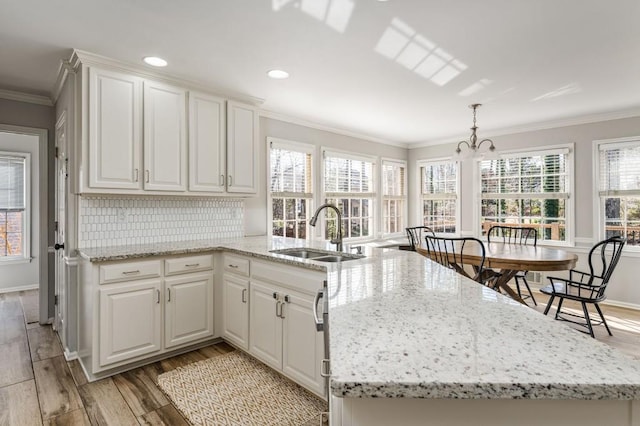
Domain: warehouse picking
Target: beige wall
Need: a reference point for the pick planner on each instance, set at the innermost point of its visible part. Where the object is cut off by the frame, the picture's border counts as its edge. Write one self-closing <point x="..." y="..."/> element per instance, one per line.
<point x="255" y="213"/>
<point x="625" y="289"/>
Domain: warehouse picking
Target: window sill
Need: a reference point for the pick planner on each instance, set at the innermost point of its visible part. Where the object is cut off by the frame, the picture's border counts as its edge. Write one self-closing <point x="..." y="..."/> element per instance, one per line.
<point x="16" y="261"/>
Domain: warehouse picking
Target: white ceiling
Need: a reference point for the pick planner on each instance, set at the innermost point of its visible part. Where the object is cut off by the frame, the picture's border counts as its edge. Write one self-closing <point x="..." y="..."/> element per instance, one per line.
<point x="402" y="70"/>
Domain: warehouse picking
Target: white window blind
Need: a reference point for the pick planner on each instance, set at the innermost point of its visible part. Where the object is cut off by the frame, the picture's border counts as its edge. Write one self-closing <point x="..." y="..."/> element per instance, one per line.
<point x="13" y="205"/>
<point x="439" y="193"/>
<point x="527" y="188"/>
<point x="349" y="184"/>
<point x="291" y="189"/>
<point x="619" y="190"/>
<point x="393" y="196"/>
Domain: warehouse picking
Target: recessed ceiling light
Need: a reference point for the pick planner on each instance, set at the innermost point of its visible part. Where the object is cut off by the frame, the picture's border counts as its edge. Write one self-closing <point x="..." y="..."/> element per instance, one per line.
<point x="155" y="61"/>
<point x="278" y="74"/>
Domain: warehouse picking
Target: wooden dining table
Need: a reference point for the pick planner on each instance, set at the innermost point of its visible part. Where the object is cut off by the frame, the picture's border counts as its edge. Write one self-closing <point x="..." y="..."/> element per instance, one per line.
<point x="513" y="258"/>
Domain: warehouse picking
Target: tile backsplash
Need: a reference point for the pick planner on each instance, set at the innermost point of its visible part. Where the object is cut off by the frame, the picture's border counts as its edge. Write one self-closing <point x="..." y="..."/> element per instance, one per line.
<point x="110" y="221"/>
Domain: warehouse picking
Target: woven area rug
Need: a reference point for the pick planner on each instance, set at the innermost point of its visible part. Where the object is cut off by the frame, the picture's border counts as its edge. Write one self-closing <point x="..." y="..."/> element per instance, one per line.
<point x="235" y="389"/>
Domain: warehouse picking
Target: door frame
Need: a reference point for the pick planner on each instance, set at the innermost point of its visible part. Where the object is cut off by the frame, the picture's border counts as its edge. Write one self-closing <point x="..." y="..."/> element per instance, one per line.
<point x="43" y="168"/>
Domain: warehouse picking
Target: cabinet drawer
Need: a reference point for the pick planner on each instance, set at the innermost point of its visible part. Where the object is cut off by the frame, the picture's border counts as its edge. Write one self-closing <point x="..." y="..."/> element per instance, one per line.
<point x="290" y="276"/>
<point x="183" y="265"/>
<point x="129" y="271"/>
<point x="236" y="264"/>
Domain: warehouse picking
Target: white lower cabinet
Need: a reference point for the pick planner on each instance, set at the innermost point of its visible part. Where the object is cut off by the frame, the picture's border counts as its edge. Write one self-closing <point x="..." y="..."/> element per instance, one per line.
<point x="236" y="310"/>
<point x="135" y="310"/>
<point x="130" y="320"/>
<point x="188" y="308"/>
<point x="268" y="311"/>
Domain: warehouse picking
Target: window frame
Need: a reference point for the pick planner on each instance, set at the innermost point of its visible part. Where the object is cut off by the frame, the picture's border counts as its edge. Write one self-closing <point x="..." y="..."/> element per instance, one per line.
<point x="404" y="198"/>
<point x="26" y="221"/>
<point x="297" y="147"/>
<point x="569" y="201"/>
<point x="599" y="228"/>
<point x="420" y="207"/>
<point x="374" y="208"/>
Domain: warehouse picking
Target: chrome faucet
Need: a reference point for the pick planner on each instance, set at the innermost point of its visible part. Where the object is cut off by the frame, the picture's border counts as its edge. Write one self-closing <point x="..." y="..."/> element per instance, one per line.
<point x="338" y="239"/>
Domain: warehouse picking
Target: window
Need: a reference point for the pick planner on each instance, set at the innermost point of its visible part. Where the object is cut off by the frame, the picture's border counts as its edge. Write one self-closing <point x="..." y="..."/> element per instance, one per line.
<point x="291" y="188"/>
<point x="619" y="189"/>
<point x="528" y="188"/>
<point x="14" y="216"/>
<point x="349" y="184"/>
<point x="394" y="196"/>
<point x="439" y="193"/>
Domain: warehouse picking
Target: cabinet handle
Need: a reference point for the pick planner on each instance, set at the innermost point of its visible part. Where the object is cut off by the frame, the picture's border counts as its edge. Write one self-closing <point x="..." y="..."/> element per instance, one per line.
<point x="233" y="266"/>
<point x="137" y="271"/>
<point x="275" y="295"/>
<point x="244" y="295"/>
<point x="136" y="174"/>
<point x="278" y="303"/>
<point x="325" y="368"/>
<point x="157" y="296"/>
<point x="229" y="180"/>
<point x="146" y="173"/>
<point x="191" y="265"/>
<point x="169" y="295"/>
<point x="286" y="298"/>
<point x="221" y="180"/>
<point x="281" y="310"/>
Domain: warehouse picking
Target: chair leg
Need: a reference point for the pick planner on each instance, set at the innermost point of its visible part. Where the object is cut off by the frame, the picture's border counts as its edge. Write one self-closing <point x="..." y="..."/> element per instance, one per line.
<point x="586" y="317"/>
<point x="559" y="307"/>
<point x="518" y="287"/>
<point x="529" y="290"/>
<point x="549" y="303"/>
<point x="603" y="320"/>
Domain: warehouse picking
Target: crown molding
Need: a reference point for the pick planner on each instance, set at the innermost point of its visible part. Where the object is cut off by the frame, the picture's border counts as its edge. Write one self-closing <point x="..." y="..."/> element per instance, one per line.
<point x="63" y="72"/>
<point x="80" y="57"/>
<point x="542" y="125"/>
<point x="25" y="97"/>
<point x="306" y="123"/>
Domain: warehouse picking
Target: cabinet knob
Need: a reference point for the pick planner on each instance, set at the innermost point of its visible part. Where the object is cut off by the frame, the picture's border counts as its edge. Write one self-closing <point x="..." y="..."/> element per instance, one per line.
<point x="275" y="295"/>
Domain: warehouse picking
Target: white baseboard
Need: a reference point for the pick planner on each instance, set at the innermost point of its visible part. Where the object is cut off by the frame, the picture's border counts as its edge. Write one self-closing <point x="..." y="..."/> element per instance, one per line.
<point x="625" y="305"/>
<point x="20" y="288"/>
<point x="70" y="356"/>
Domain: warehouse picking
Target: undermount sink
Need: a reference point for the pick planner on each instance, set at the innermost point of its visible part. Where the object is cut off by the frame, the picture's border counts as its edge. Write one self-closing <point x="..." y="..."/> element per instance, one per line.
<point x="317" y="255"/>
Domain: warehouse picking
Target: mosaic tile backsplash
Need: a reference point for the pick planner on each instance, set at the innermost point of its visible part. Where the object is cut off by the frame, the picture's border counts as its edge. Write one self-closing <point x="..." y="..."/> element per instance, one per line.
<point x="109" y="221"/>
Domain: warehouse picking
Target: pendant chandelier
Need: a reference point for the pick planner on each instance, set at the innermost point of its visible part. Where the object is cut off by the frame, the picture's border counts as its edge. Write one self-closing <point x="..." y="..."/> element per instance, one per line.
<point x="473" y="145"/>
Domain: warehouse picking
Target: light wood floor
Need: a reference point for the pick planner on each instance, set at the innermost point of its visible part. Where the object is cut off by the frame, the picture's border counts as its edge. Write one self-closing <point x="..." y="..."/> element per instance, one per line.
<point x="37" y="385"/>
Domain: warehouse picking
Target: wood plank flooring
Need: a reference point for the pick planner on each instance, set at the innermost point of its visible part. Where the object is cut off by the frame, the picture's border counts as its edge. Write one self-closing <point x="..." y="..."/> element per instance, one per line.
<point x="38" y="387"/>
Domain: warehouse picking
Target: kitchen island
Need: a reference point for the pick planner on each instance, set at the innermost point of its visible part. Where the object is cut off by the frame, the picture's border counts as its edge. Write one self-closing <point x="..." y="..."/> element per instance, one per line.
<point x="414" y="343"/>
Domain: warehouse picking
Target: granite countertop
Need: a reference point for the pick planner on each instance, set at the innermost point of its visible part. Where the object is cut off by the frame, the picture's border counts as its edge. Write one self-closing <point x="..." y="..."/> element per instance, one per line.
<point x="403" y="326"/>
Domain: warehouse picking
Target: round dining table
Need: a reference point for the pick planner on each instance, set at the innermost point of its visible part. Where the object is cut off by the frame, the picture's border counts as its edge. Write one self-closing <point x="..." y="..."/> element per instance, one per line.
<point x="510" y="259"/>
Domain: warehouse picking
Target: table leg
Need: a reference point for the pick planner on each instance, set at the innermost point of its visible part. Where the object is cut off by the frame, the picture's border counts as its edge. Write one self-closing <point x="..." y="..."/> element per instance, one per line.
<point x="502" y="282"/>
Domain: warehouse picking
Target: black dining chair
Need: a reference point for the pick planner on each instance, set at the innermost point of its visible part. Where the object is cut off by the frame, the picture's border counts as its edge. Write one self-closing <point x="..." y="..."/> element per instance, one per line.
<point x="515" y="235"/>
<point x="587" y="287"/>
<point x="416" y="235"/>
<point x="449" y="252"/>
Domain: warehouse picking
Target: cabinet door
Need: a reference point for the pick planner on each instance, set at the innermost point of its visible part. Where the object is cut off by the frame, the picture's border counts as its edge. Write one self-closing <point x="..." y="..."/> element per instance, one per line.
<point x="206" y="143"/>
<point x="242" y="148"/>
<point x="188" y="314"/>
<point x="165" y="137"/>
<point x="115" y="130"/>
<point x="129" y="320"/>
<point x="235" y="292"/>
<point x="265" y="327"/>
<point x="303" y="346"/>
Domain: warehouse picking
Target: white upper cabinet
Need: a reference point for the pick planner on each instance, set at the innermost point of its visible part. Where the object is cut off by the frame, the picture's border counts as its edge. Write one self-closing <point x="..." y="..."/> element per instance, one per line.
<point x="242" y="148"/>
<point x="115" y="130"/>
<point x="165" y="137"/>
<point x="206" y="143"/>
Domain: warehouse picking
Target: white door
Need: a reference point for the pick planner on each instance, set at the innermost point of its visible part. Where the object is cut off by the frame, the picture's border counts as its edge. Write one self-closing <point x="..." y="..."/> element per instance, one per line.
<point x="115" y="130"/>
<point x="130" y="320"/>
<point x="206" y="143"/>
<point x="188" y="308"/>
<point x="303" y="346"/>
<point x="61" y="162"/>
<point x="242" y="148"/>
<point x="265" y="324"/>
<point x="236" y="310"/>
<point x="165" y="137"/>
